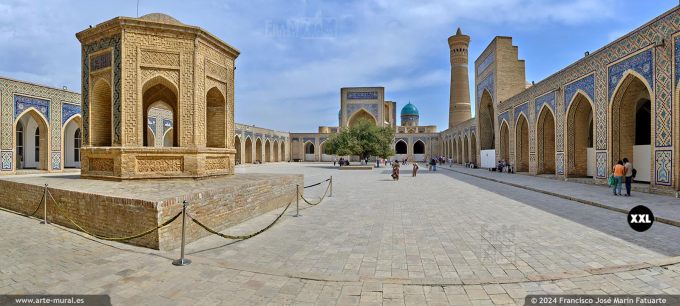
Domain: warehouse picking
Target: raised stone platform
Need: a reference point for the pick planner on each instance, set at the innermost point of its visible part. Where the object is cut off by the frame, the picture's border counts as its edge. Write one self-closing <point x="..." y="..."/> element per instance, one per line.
<point x="120" y="209"/>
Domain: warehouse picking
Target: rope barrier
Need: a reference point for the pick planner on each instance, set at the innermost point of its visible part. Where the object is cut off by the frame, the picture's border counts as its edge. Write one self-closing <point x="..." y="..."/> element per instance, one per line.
<point x="108" y="238"/>
<point x="244" y="237"/>
<point x="320" y="200"/>
<point x="240" y="237"/>
<point x="42" y="198"/>
<point x="319" y="183"/>
<point x="205" y="227"/>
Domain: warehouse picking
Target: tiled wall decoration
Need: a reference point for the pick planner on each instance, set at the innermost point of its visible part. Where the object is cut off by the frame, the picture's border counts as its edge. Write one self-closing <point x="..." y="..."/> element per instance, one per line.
<point x="586" y="84"/>
<point x="601" y="164"/>
<point x="362" y="95"/>
<point x="641" y="63"/>
<point x="69" y="110"/>
<point x="56" y="160"/>
<point x="559" y="163"/>
<point x="488" y="60"/>
<point x="549" y="99"/>
<point x="22" y="103"/>
<point x="522" y="109"/>
<point x="504" y="116"/>
<point x="487" y="84"/>
<point x="113" y="42"/>
<point x="372" y="108"/>
<point x="663" y="166"/>
<point x="6" y="157"/>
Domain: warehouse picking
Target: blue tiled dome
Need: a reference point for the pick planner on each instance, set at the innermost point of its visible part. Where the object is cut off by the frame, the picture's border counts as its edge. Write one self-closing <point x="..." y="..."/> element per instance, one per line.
<point x="409" y="110"/>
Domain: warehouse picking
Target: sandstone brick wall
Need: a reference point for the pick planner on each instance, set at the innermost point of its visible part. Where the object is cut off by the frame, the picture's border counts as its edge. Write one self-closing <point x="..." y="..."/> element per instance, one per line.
<point x="227" y="206"/>
<point x="217" y="204"/>
<point x="102" y="215"/>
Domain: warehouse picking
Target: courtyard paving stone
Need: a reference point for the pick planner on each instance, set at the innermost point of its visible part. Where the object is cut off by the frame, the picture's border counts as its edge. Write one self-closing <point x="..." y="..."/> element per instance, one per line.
<point x="451" y="238"/>
<point x="664" y="206"/>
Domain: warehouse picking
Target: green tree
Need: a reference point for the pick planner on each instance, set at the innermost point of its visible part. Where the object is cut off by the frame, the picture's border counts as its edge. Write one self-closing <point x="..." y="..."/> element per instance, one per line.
<point x="364" y="139"/>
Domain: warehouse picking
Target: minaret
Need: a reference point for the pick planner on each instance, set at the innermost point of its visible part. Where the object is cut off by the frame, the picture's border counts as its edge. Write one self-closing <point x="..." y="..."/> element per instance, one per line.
<point x="459" y="100"/>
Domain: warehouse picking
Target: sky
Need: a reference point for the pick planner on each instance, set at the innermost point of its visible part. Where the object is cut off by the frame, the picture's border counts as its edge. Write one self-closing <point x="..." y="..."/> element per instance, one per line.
<point x="297" y="54"/>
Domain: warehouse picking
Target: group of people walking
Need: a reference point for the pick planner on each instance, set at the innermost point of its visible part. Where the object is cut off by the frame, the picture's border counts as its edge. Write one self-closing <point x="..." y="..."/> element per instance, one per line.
<point x="623" y="172"/>
<point x="432" y="166"/>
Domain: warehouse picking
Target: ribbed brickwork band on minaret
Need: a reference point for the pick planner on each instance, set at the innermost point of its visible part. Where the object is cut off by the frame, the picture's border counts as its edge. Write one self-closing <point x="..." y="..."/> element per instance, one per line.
<point x="459" y="100"/>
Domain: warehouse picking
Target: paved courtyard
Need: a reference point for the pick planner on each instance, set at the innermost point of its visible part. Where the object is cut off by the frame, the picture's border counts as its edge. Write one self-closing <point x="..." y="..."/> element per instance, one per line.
<point x="440" y="238"/>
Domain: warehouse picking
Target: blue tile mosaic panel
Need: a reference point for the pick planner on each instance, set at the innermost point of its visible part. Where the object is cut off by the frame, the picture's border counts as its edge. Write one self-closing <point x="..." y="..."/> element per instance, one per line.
<point x="6" y="157"/>
<point x="371" y="108"/>
<point x="522" y="109"/>
<point x="663" y="167"/>
<point x="100" y="61"/>
<point x="641" y="63"/>
<point x="22" y="103"/>
<point x="362" y="95"/>
<point x="69" y="110"/>
<point x="113" y="42"/>
<point x="306" y="139"/>
<point x="548" y="99"/>
<point x="559" y="163"/>
<point x="586" y="84"/>
<point x="601" y="164"/>
<point x="56" y="160"/>
<point x="486" y="63"/>
<point x="486" y="84"/>
<point x="676" y="51"/>
<point x="504" y="116"/>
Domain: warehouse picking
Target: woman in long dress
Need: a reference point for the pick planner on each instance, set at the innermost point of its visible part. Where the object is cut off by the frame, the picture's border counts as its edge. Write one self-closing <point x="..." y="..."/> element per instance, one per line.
<point x="395" y="171"/>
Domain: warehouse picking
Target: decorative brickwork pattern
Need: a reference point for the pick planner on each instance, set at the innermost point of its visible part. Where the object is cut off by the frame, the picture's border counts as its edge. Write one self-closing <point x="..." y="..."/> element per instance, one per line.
<point x="504" y="116"/>
<point x="487" y="84"/>
<point x="585" y="84"/>
<point x="159" y="58"/>
<point x="101" y="164"/>
<point x="486" y="63"/>
<point x="369" y="107"/>
<point x="160" y="164"/>
<point x="113" y="42"/>
<point x="6" y="159"/>
<point x="521" y="109"/>
<point x="663" y="167"/>
<point x="643" y="52"/>
<point x="601" y="164"/>
<point x="69" y="110"/>
<point x="56" y="160"/>
<point x="549" y="99"/>
<point x="641" y="63"/>
<point x="559" y="163"/>
<point x="22" y="103"/>
<point x="45" y="100"/>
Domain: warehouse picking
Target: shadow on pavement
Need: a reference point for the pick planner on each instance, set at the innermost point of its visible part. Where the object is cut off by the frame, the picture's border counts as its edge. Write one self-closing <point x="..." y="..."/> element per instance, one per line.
<point x="661" y="238"/>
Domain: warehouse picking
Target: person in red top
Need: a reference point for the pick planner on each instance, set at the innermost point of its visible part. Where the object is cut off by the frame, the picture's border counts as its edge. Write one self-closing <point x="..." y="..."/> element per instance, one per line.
<point x="619" y="172"/>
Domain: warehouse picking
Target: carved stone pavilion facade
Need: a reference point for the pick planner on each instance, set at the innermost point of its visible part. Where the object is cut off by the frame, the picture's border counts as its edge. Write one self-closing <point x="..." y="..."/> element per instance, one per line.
<point x="157" y="100"/>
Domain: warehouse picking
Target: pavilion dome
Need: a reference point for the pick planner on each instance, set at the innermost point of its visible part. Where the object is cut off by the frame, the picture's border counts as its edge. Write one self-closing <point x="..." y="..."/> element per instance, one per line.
<point x="161" y="18"/>
<point x="409" y="110"/>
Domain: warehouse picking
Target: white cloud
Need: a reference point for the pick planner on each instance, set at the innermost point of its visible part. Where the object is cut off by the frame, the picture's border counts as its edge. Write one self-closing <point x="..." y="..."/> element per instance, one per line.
<point x="289" y="79"/>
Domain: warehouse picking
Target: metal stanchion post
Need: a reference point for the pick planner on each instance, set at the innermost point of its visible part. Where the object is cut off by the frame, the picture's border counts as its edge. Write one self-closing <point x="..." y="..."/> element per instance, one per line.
<point x="45" y="205"/>
<point x="183" y="261"/>
<point x="297" y="201"/>
<point x="331" y="195"/>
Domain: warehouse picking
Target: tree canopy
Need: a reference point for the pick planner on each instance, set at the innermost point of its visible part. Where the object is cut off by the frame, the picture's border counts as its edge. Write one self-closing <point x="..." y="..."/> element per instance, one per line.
<point x="364" y="139"/>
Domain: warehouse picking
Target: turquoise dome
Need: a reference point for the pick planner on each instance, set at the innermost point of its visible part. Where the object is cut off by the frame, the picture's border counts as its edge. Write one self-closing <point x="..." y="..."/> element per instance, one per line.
<point x="409" y="110"/>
